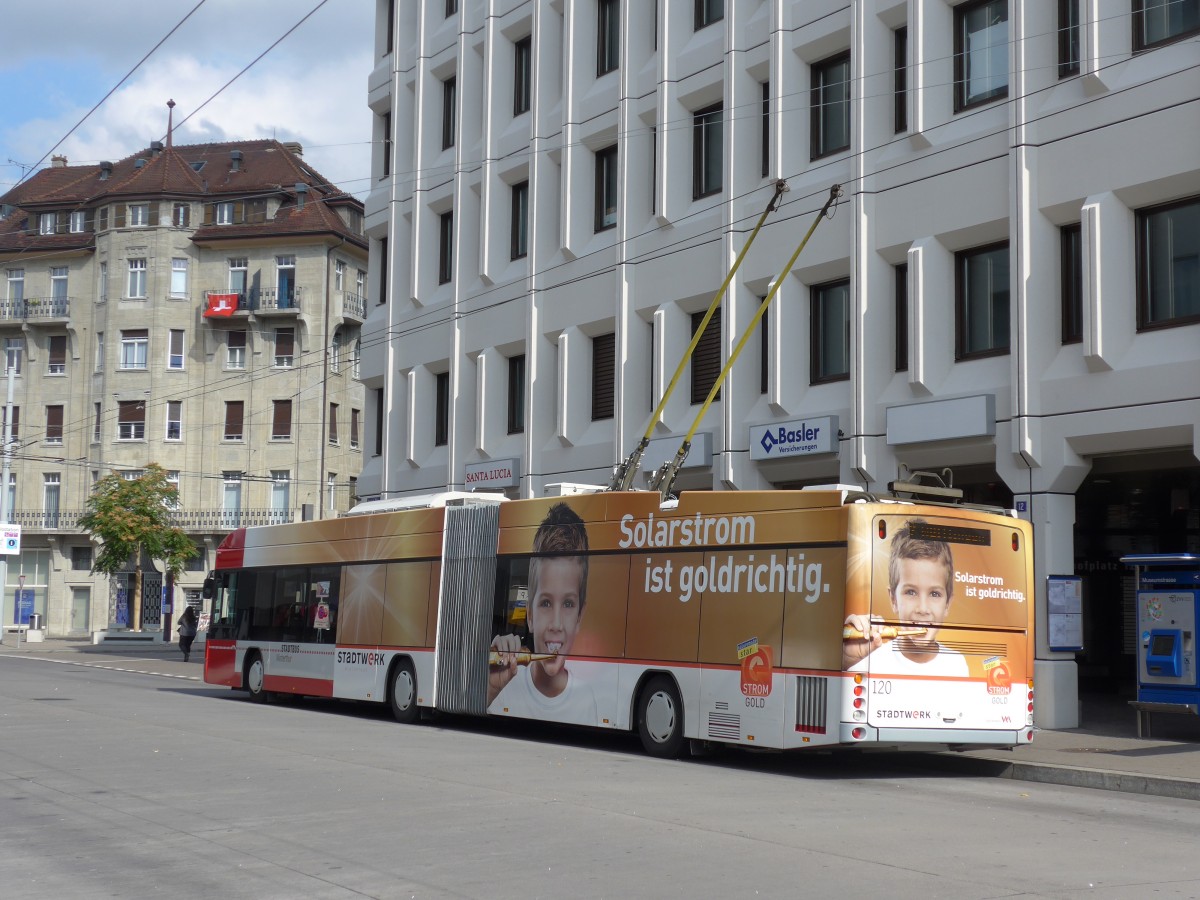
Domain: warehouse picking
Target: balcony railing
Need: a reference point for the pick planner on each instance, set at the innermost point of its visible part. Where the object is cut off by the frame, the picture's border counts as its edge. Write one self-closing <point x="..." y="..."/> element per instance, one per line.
<point x="354" y="305"/>
<point x="207" y="520"/>
<point x="33" y="309"/>
<point x="258" y="300"/>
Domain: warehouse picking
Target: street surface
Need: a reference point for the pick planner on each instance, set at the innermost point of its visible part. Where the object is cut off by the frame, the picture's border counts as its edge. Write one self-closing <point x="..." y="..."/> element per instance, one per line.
<point x="148" y="783"/>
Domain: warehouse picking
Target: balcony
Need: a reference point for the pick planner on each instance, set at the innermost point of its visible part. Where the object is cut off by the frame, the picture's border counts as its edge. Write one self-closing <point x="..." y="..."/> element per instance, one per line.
<point x="270" y="301"/>
<point x="260" y="301"/>
<point x="354" y="306"/>
<point x="35" y="311"/>
<point x="198" y="521"/>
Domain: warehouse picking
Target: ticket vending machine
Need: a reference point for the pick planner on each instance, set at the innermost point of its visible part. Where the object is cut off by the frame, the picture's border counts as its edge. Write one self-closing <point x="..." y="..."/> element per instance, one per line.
<point x="1168" y="609"/>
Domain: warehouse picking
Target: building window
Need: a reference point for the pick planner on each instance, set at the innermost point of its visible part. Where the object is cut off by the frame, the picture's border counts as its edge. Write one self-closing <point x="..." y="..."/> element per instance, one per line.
<point x="331" y="491"/>
<point x="58" y="283"/>
<point x="12" y="491"/>
<point x="137" y="279"/>
<point x="285" y="347"/>
<point x="1158" y="22"/>
<point x="606" y="188"/>
<point x="285" y="281"/>
<point x="81" y="558"/>
<point x="181" y="215"/>
<point x="339" y="275"/>
<point x="980" y="52"/>
<point x="138" y="215"/>
<point x="355" y="419"/>
<point x="706" y="358"/>
<point x="604" y="387"/>
<point x="235" y="350"/>
<point x="764" y="349"/>
<point x="51" y="485"/>
<point x="385" y="124"/>
<point x="981" y="302"/>
<point x="102" y="219"/>
<point x="238" y="268"/>
<point x="522" y="75"/>
<point x="900" y="79"/>
<point x="1068" y="38"/>
<point x="231" y="498"/>
<point x="78" y="222"/>
<point x="97" y="421"/>
<point x="103" y="282"/>
<point x="441" y="409"/>
<point x="234" y="410"/>
<point x="135" y="345"/>
<point x="174" y="420"/>
<point x="901" y="293"/>
<point x="766" y="129"/>
<point x="14" y="349"/>
<point x="516" y="394"/>
<point x="356" y="359"/>
<point x="131" y="420"/>
<point x="830" y="329"/>
<point x="334" y="439"/>
<point x="54" y="424"/>
<point x="281" y="420"/>
<point x="608" y="36"/>
<point x="709" y="11"/>
<point x="175" y="348"/>
<point x="653" y="169"/>
<point x="281" y="493"/>
<point x="15" y="434"/>
<point x="830" y="110"/>
<point x="1071" y="274"/>
<point x="1168" y="264"/>
<point x="16" y="285"/>
<point x="179" y="279"/>
<point x="57" y="355"/>
<point x="449" y="90"/>
<point x="47" y="223"/>
<point x="445" y="247"/>
<point x="379" y="422"/>
<point x="451" y="7"/>
<point x="225" y="213"/>
<point x="707" y="156"/>
<point x="197" y="562"/>
<point x="519" y="248"/>
<point x="335" y="353"/>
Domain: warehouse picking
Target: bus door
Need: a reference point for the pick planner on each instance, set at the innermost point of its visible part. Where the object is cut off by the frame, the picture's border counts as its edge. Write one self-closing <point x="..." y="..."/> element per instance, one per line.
<point x="300" y="651"/>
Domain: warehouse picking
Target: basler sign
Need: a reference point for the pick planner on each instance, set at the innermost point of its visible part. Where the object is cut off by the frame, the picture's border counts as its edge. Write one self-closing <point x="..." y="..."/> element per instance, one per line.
<point x="803" y="437"/>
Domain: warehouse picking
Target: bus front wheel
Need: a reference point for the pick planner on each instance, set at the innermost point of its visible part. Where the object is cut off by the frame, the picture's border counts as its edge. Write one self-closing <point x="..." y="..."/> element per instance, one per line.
<point x="402" y="692"/>
<point x="660" y="718"/>
<point x="254" y="677"/>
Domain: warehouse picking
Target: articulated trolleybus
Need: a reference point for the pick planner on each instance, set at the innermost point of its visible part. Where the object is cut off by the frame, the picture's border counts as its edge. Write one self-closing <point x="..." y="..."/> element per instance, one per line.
<point x="781" y="619"/>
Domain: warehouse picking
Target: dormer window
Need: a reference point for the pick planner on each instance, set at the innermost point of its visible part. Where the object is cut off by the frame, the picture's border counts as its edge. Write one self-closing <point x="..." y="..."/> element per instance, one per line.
<point x="138" y="215"/>
<point x="78" y="222"/>
<point x="225" y="213"/>
<point x="46" y="223"/>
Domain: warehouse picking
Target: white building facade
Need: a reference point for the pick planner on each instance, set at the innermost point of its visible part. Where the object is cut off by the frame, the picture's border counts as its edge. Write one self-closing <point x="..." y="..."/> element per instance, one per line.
<point x="1009" y="287"/>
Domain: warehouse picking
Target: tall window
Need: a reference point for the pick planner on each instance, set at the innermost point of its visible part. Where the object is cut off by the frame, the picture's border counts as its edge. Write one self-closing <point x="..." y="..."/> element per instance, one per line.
<point x="981" y="302"/>
<point x="604" y="388"/>
<point x="131" y="420"/>
<point x="706" y="359"/>
<point x="51" y="485"/>
<point x="1068" y="38"/>
<point x="901" y="294"/>
<point x="238" y="267"/>
<point x="339" y="275"/>
<point x="449" y="104"/>
<point x="231" y="498"/>
<point x="1168" y="264"/>
<point x="15" y="435"/>
<point x="285" y="280"/>
<point x="766" y="129"/>
<point x="99" y="350"/>
<point x="137" y="278"/>
<point x="516" y="394"/>
<point x="234" y="411"/>
<point x="608" y="36"/>
<point x="1163" y="21"/>
<point x="520" y="220"/>
<point x="709" y="11"/>
<point x="445" y="247"/>
<point x="380" y="424"/>
<point x="14" y="350"/>
<point x="830" y="331"/>
<point x="334" y="438"/>
<point x="235" y="350"/>
<point x="385" y="125"/>
<point x="281" y="491"/>
<point x="355" y="425"/>
<point x="57" y="355"/>
<point x="285" y="347"/>
<point x="830" y="106"/>
<point x="331" y="491"/>
<point x="441" y="409"/>
<point x="172" y="480"/>
<point x="54" y="424"/>
<point x="16" y="285"/>
<point x="764" y="349"/>
<point x="175" y="348"/>
<point x="335" y="353"/>
<point x="174" y="420"/>
<point x="179" y="279"/>
<point x="181" y="215"/>
<point x="58" y="282"/>
<point x="900" y="79"/>
<point x="606" y="188"/>
<point x="135" y="344"/>
<point x="1071" y="275"/>
<point x="707" y="144"/>
<point x="281" y="420"/>
<point x="97" y="421"/>
<point x="522" y="75"/>
<point x="384" y="261"/>
<point x="980" y="52"/>
<point x="451" y="7"/>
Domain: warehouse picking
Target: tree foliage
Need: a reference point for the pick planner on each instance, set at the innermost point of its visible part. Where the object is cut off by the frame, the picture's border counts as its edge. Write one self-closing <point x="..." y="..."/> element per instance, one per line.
<point x="127" y="518"/>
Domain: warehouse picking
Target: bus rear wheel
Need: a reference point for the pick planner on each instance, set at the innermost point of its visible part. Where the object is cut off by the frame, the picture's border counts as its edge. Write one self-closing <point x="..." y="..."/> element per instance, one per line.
<point x="402" y="692"/>
<point x="660" y="718"/>
<point x="254" y="677"/>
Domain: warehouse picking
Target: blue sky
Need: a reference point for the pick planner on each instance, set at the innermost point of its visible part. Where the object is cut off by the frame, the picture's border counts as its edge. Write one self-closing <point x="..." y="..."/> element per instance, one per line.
<point x="62" y="56"/>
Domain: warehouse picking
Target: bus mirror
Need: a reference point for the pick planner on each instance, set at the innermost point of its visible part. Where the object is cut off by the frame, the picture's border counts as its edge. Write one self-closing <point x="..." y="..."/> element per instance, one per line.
<point x="210" y="588"/>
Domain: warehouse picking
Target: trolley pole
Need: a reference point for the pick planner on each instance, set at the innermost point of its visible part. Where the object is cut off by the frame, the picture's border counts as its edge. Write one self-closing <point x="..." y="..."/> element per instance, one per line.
<point x="5" y="512"/>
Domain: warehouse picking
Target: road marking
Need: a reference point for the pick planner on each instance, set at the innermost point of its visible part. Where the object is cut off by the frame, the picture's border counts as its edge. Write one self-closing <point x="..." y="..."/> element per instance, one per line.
<point x="89" y="665"/>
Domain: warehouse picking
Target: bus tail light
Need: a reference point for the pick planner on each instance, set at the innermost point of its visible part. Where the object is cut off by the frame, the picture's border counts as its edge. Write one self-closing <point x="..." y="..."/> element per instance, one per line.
<point x="858" y="733"/>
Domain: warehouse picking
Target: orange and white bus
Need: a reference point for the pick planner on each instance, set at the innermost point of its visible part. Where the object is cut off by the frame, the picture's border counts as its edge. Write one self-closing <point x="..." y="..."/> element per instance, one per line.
<point x="781" y="619"/>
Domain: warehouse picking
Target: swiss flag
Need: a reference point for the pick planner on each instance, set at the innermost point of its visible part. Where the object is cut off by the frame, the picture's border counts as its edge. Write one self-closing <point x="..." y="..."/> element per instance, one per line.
<point x="221" y="305"/>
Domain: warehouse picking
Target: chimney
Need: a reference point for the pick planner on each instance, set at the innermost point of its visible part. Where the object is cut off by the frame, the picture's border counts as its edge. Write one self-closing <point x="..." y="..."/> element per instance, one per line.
<point x="301" y="193"/>
<point x="294" y="147"/>
<point x="58" y="162"/>
<point x="105" y="170"/>
<point x="235" y="160"/>
<point x="156" y="148"/>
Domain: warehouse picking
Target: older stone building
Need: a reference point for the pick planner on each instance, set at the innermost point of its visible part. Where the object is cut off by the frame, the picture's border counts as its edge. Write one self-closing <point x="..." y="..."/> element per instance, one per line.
<point x="196" y="306"/>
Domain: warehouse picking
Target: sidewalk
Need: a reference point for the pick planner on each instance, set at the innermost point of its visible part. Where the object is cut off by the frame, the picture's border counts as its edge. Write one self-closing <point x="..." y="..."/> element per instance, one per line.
<point x="1103" y="753"/>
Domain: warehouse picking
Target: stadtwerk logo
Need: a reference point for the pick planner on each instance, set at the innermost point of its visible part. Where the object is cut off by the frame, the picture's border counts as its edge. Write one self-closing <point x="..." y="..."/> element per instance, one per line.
<point x="804" y="436"/>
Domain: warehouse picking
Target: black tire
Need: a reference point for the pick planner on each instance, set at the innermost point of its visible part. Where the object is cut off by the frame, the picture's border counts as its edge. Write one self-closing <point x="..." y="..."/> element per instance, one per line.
<point x="660" y="718"/>
<point x="253" y="678"/>
<point x="402" y="692"/>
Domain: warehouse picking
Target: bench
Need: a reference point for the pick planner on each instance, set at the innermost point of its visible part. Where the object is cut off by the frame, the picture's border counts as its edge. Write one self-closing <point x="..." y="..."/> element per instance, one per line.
<point x="19" y="629"/>
<point x="1145" y="709"/>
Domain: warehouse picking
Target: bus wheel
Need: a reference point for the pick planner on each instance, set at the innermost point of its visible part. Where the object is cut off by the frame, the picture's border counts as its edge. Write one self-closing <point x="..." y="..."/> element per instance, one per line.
<point x="253" y="677"/>
<point x="402" y="692"/>
<point x="660" y="718"/>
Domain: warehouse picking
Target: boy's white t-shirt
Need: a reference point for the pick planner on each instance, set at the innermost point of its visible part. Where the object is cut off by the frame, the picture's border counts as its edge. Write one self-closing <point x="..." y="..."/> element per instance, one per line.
<point x="576" y="705"/>
<point x="888" y="660"/>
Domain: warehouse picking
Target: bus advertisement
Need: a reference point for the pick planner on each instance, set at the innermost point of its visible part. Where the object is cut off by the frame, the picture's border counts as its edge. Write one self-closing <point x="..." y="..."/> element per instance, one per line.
<point x="777" y="619"/>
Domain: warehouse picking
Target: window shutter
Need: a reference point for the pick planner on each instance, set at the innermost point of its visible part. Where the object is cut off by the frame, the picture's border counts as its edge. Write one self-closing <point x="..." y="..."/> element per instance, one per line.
<point x="237" y="339"/>
<point x="706" y="360"/>
<point x="58" y="350"/>
<point x="130" y="412"/>
<point x="256" y="211"/>
<point x="209" y="213"/>
<point x="239" y="212"/>
<point x="119" y="215"/>
<point x="233" y="418"/>
<point x="281" y="425"/>
<point x="285" y="342"/>
<point x="54" y="423"/>
<point x="604" y="348"/>
<point x="62" y="222"/>
<point x="153" y="213"/>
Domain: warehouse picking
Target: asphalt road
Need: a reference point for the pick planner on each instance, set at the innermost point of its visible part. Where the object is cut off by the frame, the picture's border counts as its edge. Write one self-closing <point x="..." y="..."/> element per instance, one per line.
<point x="121" y="784"/>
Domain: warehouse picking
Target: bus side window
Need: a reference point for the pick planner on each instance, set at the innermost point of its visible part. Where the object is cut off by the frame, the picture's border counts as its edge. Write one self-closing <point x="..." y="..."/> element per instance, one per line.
<point x="512" y="598"/>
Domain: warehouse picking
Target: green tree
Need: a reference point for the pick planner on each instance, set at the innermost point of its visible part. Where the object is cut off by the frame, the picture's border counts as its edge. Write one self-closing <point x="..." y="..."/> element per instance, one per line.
<point x="128" y="518"/>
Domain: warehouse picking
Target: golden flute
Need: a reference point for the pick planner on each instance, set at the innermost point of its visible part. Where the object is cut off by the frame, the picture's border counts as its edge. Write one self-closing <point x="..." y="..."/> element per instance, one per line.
<point x="524" y="657"/>
<point x="887" y="632"/>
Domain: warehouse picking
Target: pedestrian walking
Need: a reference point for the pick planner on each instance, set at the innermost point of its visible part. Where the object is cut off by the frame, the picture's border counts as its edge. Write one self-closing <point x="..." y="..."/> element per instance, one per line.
<point x="187" y="631"/>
